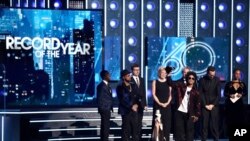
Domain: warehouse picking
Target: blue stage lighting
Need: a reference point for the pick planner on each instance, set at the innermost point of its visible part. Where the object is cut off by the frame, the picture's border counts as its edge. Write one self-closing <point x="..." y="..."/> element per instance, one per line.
<point x="33" y="4"/>
<point x="132" y="6"/>
<point x="114" y="23"/>
<point x="204" y="24"/>
<point x="132" y="23"/>
<point x="150" y="6"/>
<point x="222" y="7"/>
<point x="132" y="41"/>
<point x="239" y="41"/>
<point x="222" y="24"/>
<point x="204" y="7"/>
<point x="150" y="23"/>
<point x="240" y="7"/>
<point x="132" y="58"/>
<point x="114" y="5"/>
<point x="41" y="4"/>
<point x="169" y="6"/>
<point x="240" y="24"/>
<point x="95" y="5"/>
<point x="239" y="59"/>
<point x="168" y="24"/>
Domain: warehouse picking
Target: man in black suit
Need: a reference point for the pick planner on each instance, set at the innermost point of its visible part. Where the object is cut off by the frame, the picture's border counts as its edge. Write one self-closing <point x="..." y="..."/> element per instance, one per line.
<point x="105" y="104"/>
<point x="141" y="92"/>
<point x="128" y="107"/>
<point x="209" y="88"/>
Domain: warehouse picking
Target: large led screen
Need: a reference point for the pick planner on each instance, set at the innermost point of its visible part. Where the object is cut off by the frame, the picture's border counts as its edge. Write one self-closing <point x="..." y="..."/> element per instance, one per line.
<point x="49" y="57"/>
<point x="196" y="53"/>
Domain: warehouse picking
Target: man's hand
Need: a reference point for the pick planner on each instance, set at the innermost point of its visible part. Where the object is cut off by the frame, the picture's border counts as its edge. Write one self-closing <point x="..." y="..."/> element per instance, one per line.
<point x="194" y="118"/>
<point x="135" y="107"/>
<point x="209" y="107"/>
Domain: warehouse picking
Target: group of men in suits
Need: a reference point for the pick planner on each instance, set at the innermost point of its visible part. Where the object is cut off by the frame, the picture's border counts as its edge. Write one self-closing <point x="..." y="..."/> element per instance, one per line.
<point x="132" y="102"/>
<point x="131" y="94"/>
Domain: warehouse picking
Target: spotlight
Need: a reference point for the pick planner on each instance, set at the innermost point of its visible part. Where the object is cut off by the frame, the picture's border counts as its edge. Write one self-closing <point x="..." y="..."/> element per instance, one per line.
<point x="57" y="4"/>
<point x="132" y="23"/>
<point x="239" y="59"/>
<point x="132" y="6"/>
<point x="114" y="5"/>
<point x="151" y="23"/>
<point x="95" y="5"/>
<point x="114" y="23"/>
<point x="222" y="24"/>
<point x="169" y="6"/>
<point x="240" y="24"/>
<point x="222" y="7"/>
<point x="239" y="41"/>
<point x="132" y="41"/>
<point x="204" y="7"/>
<point x="150" y="6"/>
<point x="204" y="24"/>
<point x="132" y="58"/>
<point x="168" y="24"/>
<point x="240" y="7"/>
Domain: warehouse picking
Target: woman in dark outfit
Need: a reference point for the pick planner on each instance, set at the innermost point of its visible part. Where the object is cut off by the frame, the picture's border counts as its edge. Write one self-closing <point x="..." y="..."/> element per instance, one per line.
<point x="234" y="90"/>
<point x="161" y="91"/>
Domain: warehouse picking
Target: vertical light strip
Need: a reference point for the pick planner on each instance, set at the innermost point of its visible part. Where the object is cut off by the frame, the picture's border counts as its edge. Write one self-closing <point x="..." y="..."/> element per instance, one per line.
<point x="231" y="41"/>
<point x="86" y="4"/>
<point x="146" y="83"/>
<point x="67" y="4"/>
<point x="214" y="19"/>
<point x="48" y="3"/>
<point x="105" y="18"/>
<point x="160" y="18"/>
<point x="2" y="139"/>
<point x="248" y="54"/>
<point x="19" y="3"/>
<point x="123" y="34"/>
<point x="35" y="3"/>
<point x="196" y="18"/>
<point x="11" y="4"/>
<point x="178" y="18"/>
<point x="142" y="37"/>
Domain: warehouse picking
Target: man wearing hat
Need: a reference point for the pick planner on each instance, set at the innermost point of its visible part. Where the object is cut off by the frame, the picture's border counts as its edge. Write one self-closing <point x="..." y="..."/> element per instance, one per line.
<point x="128" y="107"/>
<point x="209" y="88"/>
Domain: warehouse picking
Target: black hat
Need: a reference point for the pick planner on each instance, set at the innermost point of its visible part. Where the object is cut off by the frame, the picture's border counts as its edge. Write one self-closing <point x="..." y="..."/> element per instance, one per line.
<point x="210" y="68"/>
<point x="124" y="72"/>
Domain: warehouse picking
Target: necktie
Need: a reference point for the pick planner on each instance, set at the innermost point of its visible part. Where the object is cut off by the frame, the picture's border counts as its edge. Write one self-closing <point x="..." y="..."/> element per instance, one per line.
<point x="137" y="81"/>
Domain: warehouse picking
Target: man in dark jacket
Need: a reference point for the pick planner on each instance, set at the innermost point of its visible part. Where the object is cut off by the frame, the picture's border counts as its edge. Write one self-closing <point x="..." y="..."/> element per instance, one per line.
<point x="140" y="90"/>
<point x="128" y="107"/>
<point x="105" y="104"/>
<point x="209" y="88"/>
<point x="188" y="108"/>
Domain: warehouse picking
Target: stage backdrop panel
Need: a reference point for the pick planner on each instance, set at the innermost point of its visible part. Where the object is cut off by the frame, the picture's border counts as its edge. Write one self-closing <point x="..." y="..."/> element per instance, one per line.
<point x="197" y="53"/>
<point x="49" y="57"/>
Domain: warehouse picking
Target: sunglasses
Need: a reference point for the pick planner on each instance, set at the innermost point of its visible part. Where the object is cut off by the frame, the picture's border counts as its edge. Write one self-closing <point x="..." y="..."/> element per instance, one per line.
<point x="191" y="78"/>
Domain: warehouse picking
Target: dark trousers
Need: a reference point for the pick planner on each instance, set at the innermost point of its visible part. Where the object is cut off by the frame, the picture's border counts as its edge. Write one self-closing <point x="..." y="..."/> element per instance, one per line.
<point x="105" y="124"/>
<point x="140" y="117"/>
<point x="184" y="127"/>
<point x="210" y="119"/>
<point x="130" y="126"/>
